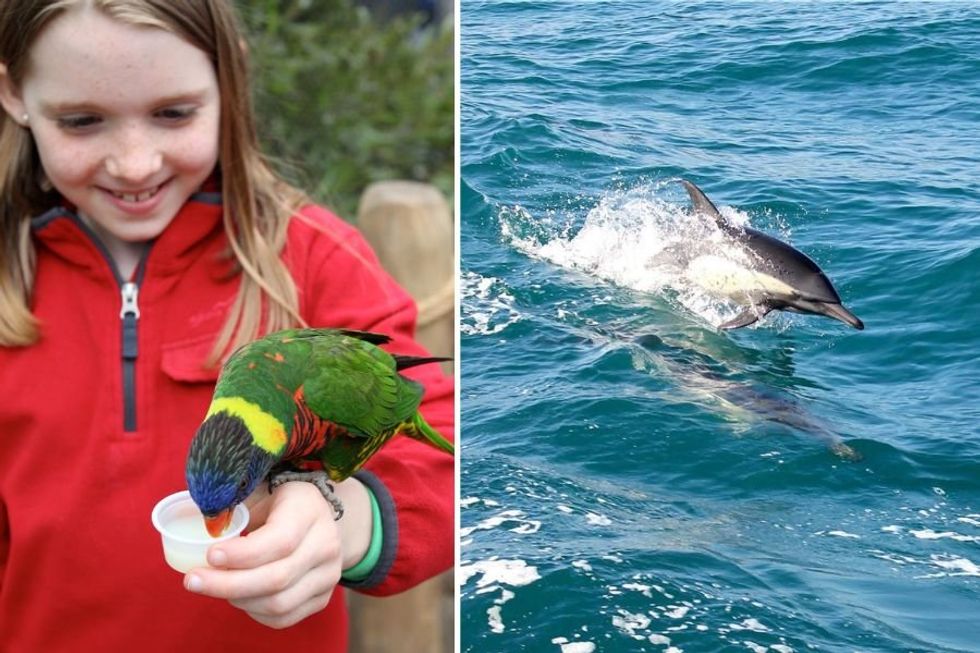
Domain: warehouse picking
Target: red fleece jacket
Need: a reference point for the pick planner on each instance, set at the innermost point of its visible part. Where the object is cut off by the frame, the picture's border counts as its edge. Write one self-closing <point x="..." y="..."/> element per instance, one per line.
<point x="96" y="420"/>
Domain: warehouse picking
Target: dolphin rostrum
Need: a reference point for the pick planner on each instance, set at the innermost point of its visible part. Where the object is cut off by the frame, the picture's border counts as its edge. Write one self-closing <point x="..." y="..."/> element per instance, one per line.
<point x="772" y="276"/>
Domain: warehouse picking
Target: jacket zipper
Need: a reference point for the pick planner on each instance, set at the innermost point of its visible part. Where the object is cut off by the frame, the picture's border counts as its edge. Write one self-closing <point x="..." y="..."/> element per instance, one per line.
<point x="129" y="314"/>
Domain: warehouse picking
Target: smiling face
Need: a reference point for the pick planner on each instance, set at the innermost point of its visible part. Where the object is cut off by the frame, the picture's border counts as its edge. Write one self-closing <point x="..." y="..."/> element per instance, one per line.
<point x="125" y="118"/>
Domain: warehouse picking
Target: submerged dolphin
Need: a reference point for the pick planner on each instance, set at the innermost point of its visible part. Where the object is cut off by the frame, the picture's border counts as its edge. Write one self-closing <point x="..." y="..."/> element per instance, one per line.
<point x="708" y="382"/>
<point x="773" y="275"/>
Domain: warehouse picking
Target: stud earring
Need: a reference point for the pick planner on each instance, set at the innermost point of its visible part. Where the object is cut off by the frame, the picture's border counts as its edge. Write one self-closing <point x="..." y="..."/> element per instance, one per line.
<point x="25" y="118"/>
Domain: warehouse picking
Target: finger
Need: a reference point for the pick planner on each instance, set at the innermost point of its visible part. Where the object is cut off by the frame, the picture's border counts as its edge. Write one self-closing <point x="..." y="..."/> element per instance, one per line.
<point x="314" y="605"/>
<point x="242" y="583"/>
<point x="289" y="520"/>
<point x="263" y="546"/>
<point x="318" y="582"/>
<point x="271" y="578"/>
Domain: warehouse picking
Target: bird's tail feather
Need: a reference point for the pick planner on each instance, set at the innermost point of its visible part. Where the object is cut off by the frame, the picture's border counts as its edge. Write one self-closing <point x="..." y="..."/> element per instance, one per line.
<point x="405" y="362"/>
<point x="420" y="430"/>
<point x="367" y="336"/>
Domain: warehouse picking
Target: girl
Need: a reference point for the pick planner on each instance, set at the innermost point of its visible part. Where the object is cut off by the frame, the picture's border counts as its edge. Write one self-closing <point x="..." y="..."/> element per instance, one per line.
<point x="143" y="237"/>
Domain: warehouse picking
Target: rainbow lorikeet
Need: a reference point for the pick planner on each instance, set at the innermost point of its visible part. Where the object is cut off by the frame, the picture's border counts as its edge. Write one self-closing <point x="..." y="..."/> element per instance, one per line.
<point x="325" y="395"/>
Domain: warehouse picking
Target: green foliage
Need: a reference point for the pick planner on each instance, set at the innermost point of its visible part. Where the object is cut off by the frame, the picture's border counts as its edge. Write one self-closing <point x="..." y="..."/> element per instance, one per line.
<point x="343" y="99"/>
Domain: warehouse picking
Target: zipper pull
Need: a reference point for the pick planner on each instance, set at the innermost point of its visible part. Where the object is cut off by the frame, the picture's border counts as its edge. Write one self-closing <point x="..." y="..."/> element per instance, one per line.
<point x="130" y="314"/>
<point x="130" y="293"/>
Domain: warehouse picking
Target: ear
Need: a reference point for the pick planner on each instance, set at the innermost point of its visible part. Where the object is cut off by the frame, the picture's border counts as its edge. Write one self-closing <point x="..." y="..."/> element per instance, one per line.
<point x="10" y="98"/>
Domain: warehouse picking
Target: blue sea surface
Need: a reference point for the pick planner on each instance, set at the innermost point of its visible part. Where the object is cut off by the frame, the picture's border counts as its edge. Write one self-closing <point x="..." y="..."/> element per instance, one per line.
<point x="634" y="478"/>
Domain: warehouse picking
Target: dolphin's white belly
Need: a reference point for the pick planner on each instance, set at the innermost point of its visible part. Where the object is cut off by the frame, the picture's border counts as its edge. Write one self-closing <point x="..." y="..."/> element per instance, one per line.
<point x="729" y="279"/>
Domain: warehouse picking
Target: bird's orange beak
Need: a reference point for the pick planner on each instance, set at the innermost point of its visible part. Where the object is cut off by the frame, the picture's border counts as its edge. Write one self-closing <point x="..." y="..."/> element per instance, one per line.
<point x="217" y="524"/>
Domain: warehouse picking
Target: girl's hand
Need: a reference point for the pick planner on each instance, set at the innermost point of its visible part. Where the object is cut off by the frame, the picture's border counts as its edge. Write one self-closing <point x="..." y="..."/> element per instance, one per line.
<point x="288" y="566"/>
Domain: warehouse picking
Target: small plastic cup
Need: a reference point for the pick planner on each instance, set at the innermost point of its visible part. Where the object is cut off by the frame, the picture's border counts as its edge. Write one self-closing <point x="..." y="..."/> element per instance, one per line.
<point x="181" y="525"/>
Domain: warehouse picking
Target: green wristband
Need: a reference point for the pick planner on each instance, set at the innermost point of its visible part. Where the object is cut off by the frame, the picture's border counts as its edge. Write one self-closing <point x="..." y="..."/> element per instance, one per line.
<point x="363" y="569"/>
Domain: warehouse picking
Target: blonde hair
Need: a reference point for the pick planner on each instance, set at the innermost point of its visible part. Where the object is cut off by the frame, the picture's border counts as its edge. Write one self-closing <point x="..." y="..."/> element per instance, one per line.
<point x="257" y="203"/>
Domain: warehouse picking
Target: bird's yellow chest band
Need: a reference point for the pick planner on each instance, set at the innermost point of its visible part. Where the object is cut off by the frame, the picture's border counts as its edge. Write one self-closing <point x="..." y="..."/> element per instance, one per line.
<point x="267" y="432"/>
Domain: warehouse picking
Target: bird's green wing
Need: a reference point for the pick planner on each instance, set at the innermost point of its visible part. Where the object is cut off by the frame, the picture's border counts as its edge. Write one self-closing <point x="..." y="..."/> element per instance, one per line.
<point x="354" y="384"/>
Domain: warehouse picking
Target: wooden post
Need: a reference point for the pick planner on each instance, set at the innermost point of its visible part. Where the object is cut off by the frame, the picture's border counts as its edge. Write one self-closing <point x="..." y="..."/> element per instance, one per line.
<point x="410" y="227"/>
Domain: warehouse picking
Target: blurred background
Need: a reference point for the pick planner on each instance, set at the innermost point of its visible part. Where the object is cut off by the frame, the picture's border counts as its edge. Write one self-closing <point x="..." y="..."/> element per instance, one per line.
<point x="355" y="103"/>
<point x="350" y="93"/>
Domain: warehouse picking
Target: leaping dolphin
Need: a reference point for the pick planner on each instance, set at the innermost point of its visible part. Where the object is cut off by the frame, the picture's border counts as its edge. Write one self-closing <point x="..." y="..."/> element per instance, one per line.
<point x="773" y="276"/>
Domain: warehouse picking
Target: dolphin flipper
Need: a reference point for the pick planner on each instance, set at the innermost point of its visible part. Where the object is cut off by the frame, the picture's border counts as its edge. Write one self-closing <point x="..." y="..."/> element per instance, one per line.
<point x="749" y="316"/>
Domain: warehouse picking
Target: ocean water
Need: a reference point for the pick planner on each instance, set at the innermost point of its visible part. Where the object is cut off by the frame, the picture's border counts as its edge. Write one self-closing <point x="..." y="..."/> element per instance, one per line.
<point x="634" y="478"/>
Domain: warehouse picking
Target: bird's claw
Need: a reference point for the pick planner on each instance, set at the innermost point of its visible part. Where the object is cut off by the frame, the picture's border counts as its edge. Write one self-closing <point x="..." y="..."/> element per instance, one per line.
<point x="319" y="479"/>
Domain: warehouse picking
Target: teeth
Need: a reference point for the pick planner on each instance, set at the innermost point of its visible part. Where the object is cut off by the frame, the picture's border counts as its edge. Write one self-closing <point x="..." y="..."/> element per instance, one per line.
<point x="137" y="197"/>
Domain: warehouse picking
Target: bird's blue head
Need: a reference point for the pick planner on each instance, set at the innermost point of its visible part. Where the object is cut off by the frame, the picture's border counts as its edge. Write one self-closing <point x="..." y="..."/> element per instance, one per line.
<point x="223" y="467"/>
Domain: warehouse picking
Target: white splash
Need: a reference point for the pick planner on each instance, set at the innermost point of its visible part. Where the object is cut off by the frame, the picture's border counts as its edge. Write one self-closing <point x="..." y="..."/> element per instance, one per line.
<point x="495" y="620"/>
<point x="635" y="239"/>
<point x="487" y="306"/>
<point x="629" y="623"/>
<point x="639" y="587"/>
<point x="582" y="564"/>
<point x="529" y="527"/>
<point x="597" y="520"/>
<point x="750" y="624"/>
<point x="929" y="534"/>
<point x="954" y="566"/>
<point x="894" y="558"/>
<point x="677" y="612"/>
<point x="495" y="574"/>
<point x="495" y="571"/>
<point x="523" y="526"/>
<point x="576" y="647"/>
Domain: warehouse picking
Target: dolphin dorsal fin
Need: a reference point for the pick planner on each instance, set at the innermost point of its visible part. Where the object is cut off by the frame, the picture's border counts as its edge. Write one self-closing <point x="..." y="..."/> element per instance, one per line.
<point x="701" y="203"/>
